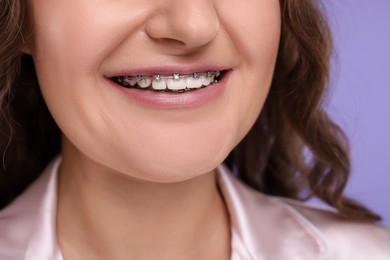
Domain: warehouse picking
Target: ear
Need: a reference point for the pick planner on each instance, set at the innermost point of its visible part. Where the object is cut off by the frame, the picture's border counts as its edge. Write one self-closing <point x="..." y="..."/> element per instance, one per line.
<point x="27" y="43"/>
<point x="26" y="48"/>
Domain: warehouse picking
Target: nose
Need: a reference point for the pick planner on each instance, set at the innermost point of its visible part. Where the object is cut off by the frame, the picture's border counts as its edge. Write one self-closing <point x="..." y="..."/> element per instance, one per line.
<point x="189" y="24"/>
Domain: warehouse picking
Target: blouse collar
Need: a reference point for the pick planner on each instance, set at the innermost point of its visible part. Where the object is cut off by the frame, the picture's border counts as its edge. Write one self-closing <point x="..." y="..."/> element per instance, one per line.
<point x="262" y="227"/>
<point x="268" y="227"/>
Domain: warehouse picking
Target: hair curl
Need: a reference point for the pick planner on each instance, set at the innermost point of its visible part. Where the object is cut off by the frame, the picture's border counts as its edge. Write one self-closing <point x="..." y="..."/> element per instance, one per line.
<point x="293" y="150"/>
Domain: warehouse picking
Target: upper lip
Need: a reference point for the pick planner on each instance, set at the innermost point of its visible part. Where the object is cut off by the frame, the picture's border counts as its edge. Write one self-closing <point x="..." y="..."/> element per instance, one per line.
<point x="166" y="70"/>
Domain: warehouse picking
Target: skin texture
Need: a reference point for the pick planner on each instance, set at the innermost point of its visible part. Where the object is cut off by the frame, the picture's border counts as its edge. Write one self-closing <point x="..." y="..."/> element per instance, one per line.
<point x="130" y="172"/>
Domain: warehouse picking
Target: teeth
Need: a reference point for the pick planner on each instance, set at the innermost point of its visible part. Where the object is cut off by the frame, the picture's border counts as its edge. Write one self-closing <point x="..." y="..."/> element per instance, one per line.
<point x="126" y="81"/>
<point x="176" y="82"/>
<point x="132" y="81"/>
<point x="205" y="81"/>
<point x="212" y="79"/>
<point x="176" y="76"/>
<point x="160" y="84"/>
<point x="144" y="82"/>
<point x="194" y="82"/>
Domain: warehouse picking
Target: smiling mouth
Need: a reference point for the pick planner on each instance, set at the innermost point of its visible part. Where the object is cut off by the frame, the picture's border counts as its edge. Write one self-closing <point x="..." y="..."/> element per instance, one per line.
<point x="177" y="83"/>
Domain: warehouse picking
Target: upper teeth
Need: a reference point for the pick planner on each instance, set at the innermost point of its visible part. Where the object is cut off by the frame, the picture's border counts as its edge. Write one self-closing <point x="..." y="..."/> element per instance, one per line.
<point x="176" y="82"/>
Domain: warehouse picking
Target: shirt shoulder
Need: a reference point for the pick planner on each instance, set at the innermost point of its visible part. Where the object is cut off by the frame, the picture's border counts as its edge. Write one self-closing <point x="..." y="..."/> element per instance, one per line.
<point x="26" y="225"/>
<point x="16" y="225"/>
<point x="280" y="228"/>
<point x="345" y="239"/>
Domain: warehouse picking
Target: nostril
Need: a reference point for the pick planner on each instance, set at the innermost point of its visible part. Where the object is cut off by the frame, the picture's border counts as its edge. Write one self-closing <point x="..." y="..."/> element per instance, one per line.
<point x="187" y="24"/>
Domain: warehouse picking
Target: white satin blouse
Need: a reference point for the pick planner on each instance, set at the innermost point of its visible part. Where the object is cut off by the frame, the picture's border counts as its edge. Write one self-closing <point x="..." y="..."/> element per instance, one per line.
<point x="262" y="227"/>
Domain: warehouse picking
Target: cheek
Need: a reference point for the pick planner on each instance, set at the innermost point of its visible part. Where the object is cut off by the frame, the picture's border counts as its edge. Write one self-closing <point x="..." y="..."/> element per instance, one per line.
<point x="255" y="33"/>
<point x="63" y="55"/>
<point x="74" y="37"/>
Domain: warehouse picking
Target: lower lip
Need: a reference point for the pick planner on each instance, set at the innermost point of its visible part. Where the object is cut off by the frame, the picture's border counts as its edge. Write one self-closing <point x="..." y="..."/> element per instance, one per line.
<point x="170" y="100"/>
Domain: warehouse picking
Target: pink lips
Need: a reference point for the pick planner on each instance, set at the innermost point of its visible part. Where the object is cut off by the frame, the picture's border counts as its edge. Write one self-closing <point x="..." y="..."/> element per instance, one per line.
<point x="169" y="100"/>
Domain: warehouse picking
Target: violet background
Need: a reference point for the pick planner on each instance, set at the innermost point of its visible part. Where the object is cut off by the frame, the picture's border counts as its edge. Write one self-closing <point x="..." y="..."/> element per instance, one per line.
<point x="360" y="96"/>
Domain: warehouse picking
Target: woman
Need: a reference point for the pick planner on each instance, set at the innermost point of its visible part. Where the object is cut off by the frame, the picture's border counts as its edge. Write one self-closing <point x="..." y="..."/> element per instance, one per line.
<point x="150" y="97"/>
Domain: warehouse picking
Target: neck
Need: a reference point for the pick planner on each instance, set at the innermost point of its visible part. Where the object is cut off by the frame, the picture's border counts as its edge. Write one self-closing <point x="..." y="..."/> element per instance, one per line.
<point x="106" y="215"/>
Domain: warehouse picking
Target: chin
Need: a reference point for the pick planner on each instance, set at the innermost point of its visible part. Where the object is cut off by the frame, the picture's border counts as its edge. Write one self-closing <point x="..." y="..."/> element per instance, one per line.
<point x="168" y="157"/>
<point x="174" y="169"/>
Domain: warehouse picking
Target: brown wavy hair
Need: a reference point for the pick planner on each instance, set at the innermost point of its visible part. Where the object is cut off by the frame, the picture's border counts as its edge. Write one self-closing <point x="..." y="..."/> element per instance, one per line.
<point x="293" y="150"/>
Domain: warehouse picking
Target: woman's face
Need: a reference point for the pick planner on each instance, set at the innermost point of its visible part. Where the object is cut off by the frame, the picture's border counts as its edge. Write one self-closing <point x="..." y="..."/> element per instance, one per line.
<point x="79" y="46"/>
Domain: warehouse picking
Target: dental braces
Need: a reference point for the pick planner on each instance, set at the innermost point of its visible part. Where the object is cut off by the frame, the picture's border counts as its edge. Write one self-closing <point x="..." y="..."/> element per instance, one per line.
<point x="174" y="76"/>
